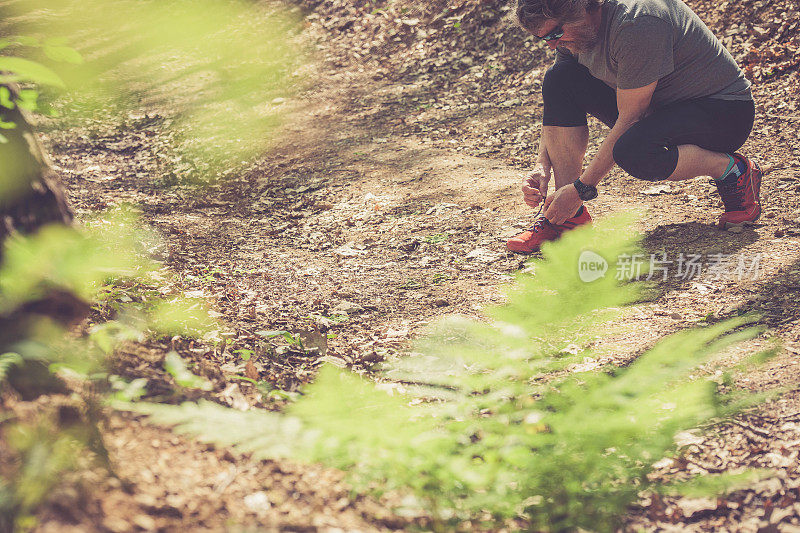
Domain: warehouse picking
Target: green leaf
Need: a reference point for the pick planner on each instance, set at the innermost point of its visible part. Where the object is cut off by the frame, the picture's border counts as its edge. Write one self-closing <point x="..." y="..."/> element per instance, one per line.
<point x="183" y="377"/>
<point x="28" y="99"/>
<point x="27" y="40"/>
<point x="262" y="433"/>
<point x="270" y="333"/>
<point x="26" y="70"/>
<point x="64" y="54"/>
<point x="5" y="98"/>
<point x="711" y="485"/>
<point x="127" y="391"/>
<point x="56" y="41"/>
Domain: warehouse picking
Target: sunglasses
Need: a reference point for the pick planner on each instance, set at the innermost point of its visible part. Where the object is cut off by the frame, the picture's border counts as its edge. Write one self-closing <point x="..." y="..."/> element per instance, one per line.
<point x="557" y="33"/>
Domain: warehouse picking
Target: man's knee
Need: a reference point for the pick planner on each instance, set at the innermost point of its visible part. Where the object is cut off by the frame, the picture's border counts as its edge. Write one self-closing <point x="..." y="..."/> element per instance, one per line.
<point x="641" y="158"/>
<point x="559" y="77"/>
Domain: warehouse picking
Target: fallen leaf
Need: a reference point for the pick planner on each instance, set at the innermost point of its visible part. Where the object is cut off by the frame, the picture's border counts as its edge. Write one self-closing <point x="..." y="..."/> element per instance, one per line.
<point x="250" y="370"/>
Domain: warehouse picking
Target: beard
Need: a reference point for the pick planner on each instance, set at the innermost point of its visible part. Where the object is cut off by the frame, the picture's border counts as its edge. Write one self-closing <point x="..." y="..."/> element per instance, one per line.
<point x="583" y="39"/>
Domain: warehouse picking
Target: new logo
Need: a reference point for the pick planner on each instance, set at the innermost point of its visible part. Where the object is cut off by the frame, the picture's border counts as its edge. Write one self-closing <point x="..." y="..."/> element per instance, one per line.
<point x="591" y="266"/>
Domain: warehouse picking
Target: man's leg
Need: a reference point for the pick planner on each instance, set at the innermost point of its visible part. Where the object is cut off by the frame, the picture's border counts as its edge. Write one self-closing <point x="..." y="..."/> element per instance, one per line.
<point x="566" y="147"/>
<point x="697" y="138"/>
<point x="569" y="93"/>
<point x="694" y="161"/>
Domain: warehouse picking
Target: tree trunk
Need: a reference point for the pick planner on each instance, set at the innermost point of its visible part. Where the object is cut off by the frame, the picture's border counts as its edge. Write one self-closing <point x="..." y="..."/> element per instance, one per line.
<point x="31" y="194"/>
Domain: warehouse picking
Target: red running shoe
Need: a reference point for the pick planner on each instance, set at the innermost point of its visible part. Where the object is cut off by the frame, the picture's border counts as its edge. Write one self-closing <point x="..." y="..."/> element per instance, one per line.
<point x="542" y="231"/>
<point x="741" y="198"/>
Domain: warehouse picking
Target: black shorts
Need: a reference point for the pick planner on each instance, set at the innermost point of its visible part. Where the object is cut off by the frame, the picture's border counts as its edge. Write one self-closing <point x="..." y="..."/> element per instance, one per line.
<point x="649" y="149"/>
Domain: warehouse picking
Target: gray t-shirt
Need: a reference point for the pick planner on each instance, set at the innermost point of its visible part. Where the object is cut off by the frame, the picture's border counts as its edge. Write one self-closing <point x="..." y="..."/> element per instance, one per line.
<point x="641" y="41"/>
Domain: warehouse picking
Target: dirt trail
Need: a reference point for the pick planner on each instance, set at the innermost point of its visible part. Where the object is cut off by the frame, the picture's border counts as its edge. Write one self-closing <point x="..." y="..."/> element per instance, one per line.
<point x="377" y="213"/>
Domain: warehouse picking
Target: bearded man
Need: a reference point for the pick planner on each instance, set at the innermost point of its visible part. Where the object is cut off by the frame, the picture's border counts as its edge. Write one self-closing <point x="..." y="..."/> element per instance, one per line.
<point x="677" y="104"/>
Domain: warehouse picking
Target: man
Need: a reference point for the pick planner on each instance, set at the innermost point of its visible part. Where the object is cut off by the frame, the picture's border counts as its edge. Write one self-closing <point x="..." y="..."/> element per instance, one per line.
<point x="677" y="104"/>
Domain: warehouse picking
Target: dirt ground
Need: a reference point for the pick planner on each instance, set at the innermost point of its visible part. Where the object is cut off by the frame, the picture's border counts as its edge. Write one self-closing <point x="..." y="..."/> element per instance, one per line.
<point x="385" y="204"/>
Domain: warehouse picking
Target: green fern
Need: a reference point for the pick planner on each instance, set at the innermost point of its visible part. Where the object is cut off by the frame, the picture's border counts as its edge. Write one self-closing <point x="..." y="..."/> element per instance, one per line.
<point x="499" y="424"/>
<point x="263" y="434"/>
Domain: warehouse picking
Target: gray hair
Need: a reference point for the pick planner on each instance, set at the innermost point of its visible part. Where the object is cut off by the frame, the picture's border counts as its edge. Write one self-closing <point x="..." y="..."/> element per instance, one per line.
<point x="531" y="14"/>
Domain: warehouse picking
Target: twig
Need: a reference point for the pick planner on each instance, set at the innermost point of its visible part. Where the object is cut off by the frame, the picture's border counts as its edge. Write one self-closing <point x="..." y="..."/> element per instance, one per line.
<point x="792" y="417"/>
<point x="757" y="431"/>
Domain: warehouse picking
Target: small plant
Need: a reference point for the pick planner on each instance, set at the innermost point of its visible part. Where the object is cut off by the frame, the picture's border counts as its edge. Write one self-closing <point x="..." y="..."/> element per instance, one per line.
<point x="411" y="284"/>
<point x="440" y="277"/>
<point x="244" y="354"/>
<point x="291" y="339"/>
<point x="437" y="238"/>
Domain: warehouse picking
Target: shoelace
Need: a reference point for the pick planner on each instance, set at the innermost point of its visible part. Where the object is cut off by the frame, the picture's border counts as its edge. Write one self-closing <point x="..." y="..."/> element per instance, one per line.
<point x="540" y="219"/>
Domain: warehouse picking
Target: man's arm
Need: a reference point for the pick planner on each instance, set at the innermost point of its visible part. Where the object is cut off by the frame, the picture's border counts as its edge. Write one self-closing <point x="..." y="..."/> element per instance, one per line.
<point x="632" y="105"/>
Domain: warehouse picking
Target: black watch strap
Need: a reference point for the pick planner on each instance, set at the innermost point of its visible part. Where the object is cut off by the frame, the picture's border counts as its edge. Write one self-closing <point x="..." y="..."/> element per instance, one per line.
<point x="585" y="192"/>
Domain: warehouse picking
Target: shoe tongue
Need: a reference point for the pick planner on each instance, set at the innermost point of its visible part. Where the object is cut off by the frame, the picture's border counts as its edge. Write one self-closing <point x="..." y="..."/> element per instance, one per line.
<point x="541" y="222"/>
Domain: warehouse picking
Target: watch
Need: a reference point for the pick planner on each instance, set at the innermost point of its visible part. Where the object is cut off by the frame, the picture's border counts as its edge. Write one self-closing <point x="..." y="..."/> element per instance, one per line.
<point x="585" y="192"/>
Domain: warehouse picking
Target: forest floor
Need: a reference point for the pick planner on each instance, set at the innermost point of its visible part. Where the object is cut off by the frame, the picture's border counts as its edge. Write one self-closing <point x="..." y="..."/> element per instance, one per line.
<point x="385" y="204"/>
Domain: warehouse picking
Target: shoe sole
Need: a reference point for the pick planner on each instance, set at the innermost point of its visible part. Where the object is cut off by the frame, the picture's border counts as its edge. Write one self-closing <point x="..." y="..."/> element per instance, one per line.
<point x="729" y="225"/>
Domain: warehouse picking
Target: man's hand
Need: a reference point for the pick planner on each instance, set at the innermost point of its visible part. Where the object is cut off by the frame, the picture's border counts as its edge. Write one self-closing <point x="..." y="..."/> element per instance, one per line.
<point x="562" y="204"/>
<point x="534" y="187"/>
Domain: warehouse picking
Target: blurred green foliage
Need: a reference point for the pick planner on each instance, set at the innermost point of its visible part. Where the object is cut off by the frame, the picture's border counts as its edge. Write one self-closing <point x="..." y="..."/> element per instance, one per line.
<point x="210" y="67"/>
<point x="183" y="377"/>
<point x="43" y="450"/>
<point x="79" y="261"/>
<point x="47" y="281"/>
<point x="495" y="419"/>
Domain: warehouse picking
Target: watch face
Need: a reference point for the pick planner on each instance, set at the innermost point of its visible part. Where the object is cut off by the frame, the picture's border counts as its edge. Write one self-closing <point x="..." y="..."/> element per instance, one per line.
<point x="585" y="192"/>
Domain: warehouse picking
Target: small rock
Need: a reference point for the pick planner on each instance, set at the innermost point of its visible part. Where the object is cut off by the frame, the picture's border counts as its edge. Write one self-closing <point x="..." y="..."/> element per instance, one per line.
<point x="258" y="501"/>
<point x="666" y="462"/>
<point x="347" y="308"/>
<point x="347" y="250"/>
<point x="657" y="189"/>
<point x="770" y="215"/>
<point x="693" y="506"/>
<point x="511" y="103"/>
<point x="675" y="316"/>
<point x="484" y="255"/>
<point x="735" y="229"/>
<point x="116" y="525"/>
<point x="687" y="438"/>
<point x="441" y="302"/>
<point x="278" y="101"/>
<point x="322" y="322"/>
<point x="779" y="233"/>
<point x="145" y="522"/>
